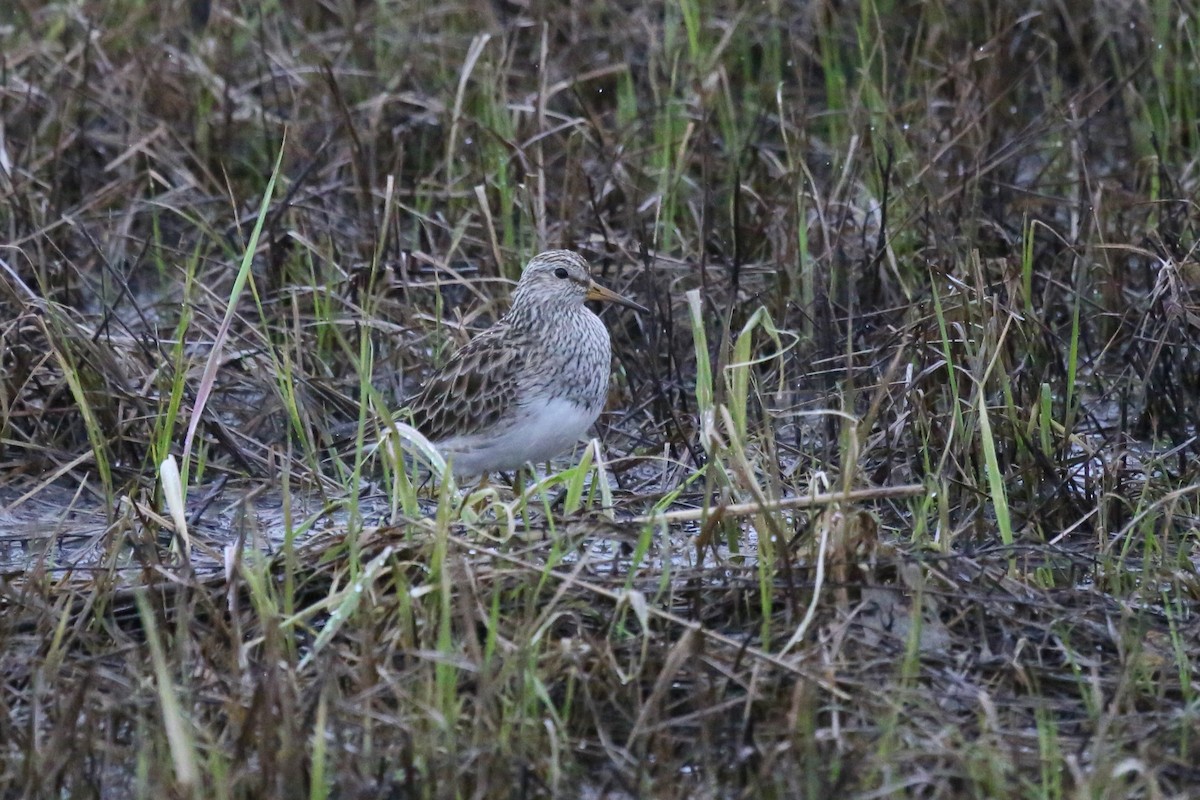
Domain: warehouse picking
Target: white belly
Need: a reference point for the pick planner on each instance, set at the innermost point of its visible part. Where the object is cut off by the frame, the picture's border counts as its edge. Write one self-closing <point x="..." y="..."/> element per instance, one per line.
<point x="542" y="431"/>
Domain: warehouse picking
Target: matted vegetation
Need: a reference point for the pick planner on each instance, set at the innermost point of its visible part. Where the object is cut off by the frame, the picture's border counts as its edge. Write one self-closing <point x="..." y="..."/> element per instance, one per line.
<point x="898" y="491"/>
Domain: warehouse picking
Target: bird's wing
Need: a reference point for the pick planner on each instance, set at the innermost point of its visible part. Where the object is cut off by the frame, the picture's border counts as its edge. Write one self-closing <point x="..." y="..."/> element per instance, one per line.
<point x="474" y="390"/>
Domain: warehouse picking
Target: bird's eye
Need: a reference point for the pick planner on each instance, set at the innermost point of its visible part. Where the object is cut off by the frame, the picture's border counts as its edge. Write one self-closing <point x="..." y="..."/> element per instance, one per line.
<point x="560" y="273"/>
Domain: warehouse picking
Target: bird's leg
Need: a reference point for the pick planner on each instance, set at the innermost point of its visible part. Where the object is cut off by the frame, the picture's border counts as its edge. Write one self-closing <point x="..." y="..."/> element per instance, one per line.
<point x="483" y="493"/>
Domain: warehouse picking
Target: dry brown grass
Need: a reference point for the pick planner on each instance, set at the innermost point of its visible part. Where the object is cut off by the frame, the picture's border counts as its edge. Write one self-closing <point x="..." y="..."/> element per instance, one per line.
<point x="949" y="246"/>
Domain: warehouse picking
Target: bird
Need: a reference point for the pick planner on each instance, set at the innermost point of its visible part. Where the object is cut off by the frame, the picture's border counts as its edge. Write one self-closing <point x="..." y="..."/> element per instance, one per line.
<point x="529" y="387"/>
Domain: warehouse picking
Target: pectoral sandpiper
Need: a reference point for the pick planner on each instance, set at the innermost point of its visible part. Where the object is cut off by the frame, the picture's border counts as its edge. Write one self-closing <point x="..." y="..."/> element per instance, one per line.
<point x="529" y="387"/>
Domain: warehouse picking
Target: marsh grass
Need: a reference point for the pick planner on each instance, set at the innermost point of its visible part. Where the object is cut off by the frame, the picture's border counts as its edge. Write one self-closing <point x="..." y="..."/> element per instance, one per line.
<point x="897" y="495"/>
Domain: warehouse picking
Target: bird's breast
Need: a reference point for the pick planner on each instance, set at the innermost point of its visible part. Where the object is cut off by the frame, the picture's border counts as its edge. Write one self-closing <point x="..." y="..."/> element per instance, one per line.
<point x="574" y="366"/>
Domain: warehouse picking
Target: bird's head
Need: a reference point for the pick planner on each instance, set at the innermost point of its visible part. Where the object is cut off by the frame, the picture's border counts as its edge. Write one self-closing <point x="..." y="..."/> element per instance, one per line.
<point x="561" y="279"/>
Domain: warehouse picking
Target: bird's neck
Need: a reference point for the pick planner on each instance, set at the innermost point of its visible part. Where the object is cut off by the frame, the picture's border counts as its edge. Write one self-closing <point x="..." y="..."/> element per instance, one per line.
<point x="526" y="314"/>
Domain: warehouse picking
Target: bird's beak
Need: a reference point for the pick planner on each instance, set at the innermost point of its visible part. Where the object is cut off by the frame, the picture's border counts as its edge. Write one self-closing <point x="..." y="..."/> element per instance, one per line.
<point x="598" y="292"/>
